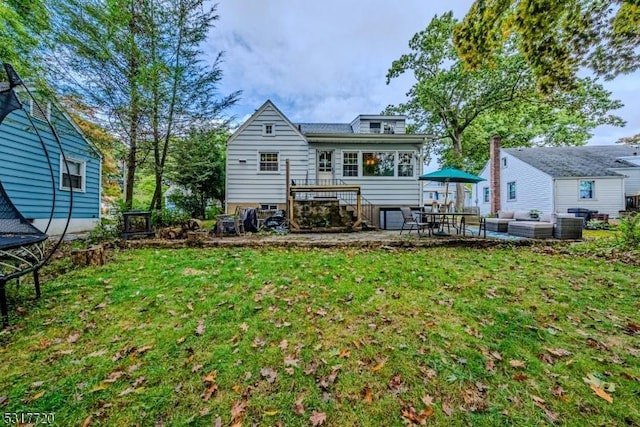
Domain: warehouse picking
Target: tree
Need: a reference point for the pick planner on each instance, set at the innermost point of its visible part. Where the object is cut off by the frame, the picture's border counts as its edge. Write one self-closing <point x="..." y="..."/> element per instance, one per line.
<point x="139" y="62"/>
<point x="99" y="50"/>
<point x="197" y="165"/>
<point x="24" y="27"/>
<point x="182" y="90"/>
<point x="555" y="37"/>
<point x="461" y="108"/>
<point x="112" y="149"/>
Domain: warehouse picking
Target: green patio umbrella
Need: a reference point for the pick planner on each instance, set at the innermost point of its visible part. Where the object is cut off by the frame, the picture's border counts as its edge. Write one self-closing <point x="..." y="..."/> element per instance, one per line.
<point x="448" y="175"/>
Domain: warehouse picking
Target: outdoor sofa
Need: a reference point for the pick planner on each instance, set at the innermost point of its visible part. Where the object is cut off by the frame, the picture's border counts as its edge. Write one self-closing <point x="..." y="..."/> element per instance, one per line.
<point x="501" y="222"/>
<point x="560" y="226"/>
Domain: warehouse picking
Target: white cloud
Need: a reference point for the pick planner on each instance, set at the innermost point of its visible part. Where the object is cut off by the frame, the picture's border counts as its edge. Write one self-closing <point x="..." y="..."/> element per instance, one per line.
<point x="326" y="61"/>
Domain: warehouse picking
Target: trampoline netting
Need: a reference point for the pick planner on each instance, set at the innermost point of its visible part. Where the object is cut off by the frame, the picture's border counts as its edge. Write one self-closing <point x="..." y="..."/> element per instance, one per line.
<point x="23" y="247"/>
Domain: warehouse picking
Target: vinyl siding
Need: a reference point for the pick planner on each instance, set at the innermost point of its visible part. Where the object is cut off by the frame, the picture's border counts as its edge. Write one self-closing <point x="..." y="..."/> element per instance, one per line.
<point x="477" y="191"/>
<point x="632" y="182"/>
<point x="609" y="195"/>
<point x="245" y="183"/>
<point x="534" y="189"/>
<point x="25" y="172"/>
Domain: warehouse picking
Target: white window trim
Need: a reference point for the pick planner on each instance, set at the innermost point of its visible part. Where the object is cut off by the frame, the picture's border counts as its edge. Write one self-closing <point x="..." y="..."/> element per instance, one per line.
<point x="504" y="162"/>
<point x="44" y="104"/>
<point x="509" y="199"/>
<point x="593" y="189"/>
<point x="261" y="172"/>
<point x="273" y="129"/>
<point x="486" y="191"/>
<point x="83" y="174"/>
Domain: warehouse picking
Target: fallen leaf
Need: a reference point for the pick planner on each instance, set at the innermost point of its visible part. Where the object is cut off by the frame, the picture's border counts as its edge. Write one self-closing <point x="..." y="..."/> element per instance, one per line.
<point x="379" y="366"/>
<point x="520" y="377"/>
<point x="298" y="407"/>
<point x="344" y="353"/>
<point x="516" y="363"/>
<point x="3" y="400"/>
<point x="290" y="361"/>
<point x="558" y="352"/>
<point x="180" y="340"/>
<point x="283" y="345"/>
<point x="447" y="409"/>
<point x="427" y="400"/>
<point x="601" y="393"/>
<point x="73" y="338"/>
<point x="190" y="306"/>
<point x="196" y="368"/>
<point x="97" y="353"/>
<point x="210" y="377"/>
<point x="317" y="418"/>
<point x="217" y="422"/>
<point x="144" y="349"/>
<point x="200" y="327"/>
<point x="87" y="421"/>
<point x="244" y="327"/>
<point x="209" y="391"/>
<point x="237" y="409"/>
<point x="269" y="374"/>
<point x="270" y="413"/>
<point x="367" y="394"/>
<point x="127" y="391"/>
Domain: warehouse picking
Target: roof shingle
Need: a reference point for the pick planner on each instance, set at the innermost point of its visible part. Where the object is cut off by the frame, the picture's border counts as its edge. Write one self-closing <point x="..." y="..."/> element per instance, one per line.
<point x="588" y="160"/>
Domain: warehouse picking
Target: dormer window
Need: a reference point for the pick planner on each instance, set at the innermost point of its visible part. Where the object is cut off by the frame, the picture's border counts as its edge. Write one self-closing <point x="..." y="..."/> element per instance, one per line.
<point x="268" y="129"/>
<point x="388" y="128"/>
<point x="374" y="127"/>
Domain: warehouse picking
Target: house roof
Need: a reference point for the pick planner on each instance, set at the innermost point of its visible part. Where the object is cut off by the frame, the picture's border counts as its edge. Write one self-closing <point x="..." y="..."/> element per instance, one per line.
<point x="588" y="160"/>
<point x="325" y="128"/>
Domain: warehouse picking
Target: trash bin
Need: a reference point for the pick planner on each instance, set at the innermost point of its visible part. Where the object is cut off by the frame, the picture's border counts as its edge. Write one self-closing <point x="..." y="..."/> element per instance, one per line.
<point x="583" y="213"/>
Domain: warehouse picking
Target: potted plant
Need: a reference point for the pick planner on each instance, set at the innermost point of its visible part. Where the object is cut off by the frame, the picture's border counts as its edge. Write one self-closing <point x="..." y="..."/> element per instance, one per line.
<point x="534" y="214"/>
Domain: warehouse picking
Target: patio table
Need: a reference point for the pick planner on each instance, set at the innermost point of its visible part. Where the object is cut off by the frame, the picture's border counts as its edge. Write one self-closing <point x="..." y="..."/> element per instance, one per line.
<point x="442" y="218"/>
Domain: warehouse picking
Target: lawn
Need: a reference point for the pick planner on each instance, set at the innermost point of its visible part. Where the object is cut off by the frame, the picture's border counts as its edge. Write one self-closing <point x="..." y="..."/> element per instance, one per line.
<point x="348" y="337"/>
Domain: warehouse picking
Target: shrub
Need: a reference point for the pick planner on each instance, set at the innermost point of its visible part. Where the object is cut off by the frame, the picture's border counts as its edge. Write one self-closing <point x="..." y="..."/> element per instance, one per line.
<point x="595" y="224"/>
<point x="629" y="231"/>
<point x="169" y="218"/>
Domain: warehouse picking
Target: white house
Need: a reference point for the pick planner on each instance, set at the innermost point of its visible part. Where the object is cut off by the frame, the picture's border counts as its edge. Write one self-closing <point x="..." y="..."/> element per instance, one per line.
<point x="372" y="153"/>
<point x="554" y="179"/>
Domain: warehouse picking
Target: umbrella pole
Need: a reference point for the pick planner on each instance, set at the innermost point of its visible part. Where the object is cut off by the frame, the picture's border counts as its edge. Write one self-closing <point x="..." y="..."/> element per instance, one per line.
<point x="446" y="193"/>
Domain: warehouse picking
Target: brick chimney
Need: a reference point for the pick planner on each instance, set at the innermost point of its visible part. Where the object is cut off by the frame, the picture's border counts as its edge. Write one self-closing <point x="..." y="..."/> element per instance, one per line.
<point x="494" y="171"/>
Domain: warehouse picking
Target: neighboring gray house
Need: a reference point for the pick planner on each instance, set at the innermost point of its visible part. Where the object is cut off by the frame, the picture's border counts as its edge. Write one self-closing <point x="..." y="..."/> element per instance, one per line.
<point x="372" y="153"/>
<point x="554" y="179"/>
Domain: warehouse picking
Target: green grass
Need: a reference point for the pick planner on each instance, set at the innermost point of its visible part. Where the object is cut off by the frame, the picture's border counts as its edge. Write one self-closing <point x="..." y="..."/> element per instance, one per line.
<point x="360" y="335"/>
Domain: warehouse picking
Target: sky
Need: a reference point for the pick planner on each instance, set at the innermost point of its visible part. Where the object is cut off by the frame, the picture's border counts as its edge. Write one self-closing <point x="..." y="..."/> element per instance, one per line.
<point x="326" y="60"/>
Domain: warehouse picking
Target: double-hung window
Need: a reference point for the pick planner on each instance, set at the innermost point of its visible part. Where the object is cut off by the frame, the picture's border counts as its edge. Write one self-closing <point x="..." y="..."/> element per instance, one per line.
<point x="587" y="189"/>
<point x="349" y="163"/>
<point x="269" y="162"/>
<point x="73" y="175"/>
<point x="485" y="194"/>
<point x="406" y="163"/>
<point x="511" y="190"/>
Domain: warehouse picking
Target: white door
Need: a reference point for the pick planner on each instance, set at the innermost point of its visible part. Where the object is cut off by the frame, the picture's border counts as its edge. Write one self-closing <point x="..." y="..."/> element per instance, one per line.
<point x="325" y="167"/>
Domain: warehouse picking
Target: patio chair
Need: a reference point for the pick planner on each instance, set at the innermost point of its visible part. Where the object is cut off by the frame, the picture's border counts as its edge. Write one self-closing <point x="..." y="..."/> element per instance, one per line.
<point x="227" y="223"/>
<point x="408" y="219"/>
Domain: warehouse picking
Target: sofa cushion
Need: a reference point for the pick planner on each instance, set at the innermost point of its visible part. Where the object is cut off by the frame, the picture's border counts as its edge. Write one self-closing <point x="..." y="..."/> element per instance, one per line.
<point x="547" y="218"/>
<point x="522" y="215"/>
<point x="505" y="214"/>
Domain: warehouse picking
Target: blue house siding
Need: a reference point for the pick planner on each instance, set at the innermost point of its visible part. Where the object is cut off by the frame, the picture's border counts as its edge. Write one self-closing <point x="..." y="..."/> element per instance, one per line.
<point x="25" y="173"/>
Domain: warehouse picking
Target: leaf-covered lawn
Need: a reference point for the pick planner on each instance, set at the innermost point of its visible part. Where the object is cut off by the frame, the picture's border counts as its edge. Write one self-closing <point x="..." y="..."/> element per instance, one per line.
<point x="443" y="336"/>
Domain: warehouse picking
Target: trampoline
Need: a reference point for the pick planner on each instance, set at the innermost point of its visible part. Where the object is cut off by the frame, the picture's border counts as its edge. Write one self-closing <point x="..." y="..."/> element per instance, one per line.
<point x="23" y="247"/>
